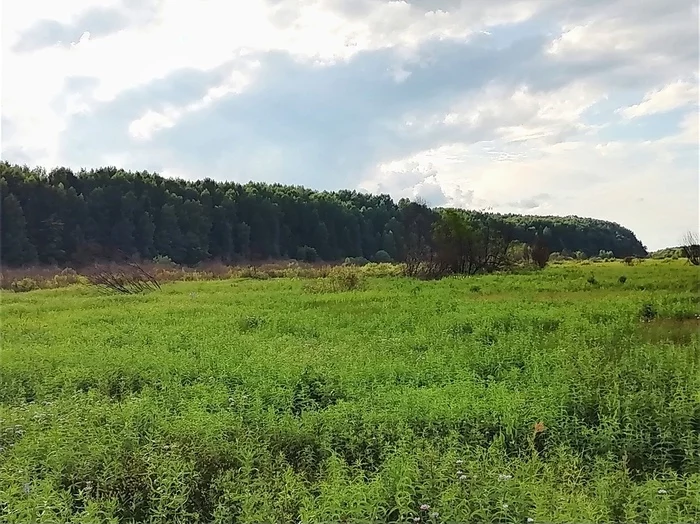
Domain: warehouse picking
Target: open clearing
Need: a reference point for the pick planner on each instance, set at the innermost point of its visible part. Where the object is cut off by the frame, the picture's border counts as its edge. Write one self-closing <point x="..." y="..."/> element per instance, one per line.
<point x="548" y="396"/>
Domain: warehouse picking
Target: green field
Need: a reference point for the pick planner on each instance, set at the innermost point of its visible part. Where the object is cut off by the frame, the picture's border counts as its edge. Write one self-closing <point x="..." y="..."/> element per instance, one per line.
<point x="556" y="396"/>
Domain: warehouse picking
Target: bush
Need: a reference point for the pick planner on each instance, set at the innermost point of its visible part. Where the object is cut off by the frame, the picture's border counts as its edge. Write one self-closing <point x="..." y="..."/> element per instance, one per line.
<point x="24" y="285"/>
<point x="355" y="261"/>
<point x="591" y="280"/>
<point x="622" y="279"/>
<point x="307" y="254"/>
<point x="339" y="279"/>
<point x="163" y="260"/>
<point x="382" y="256"/>
<point x="647" y="312"/>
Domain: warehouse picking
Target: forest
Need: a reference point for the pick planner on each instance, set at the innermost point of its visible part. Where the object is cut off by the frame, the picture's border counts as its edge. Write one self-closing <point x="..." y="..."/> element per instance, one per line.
<point x="64" y="217"/>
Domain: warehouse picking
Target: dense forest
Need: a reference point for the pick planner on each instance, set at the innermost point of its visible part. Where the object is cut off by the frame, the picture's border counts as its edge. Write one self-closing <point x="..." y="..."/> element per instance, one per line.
<point x="64" y="217"/>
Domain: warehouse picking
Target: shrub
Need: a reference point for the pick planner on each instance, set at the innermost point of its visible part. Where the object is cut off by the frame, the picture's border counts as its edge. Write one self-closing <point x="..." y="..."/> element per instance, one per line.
<point x="647" y="312"/>
<point x="382" y="256"/>
<point x="622" y="279"/>
<point x="339" y="279"/>
<point x="249" y="323"/>
<point x="628" y="261"/>
<point x="346" y="280"/>
<point x="591" y="280"/>
<point x="163" y="260"/>
<point x="356" y="261"/>
<point x="307" y="254"/>
<point x="24" y="285"/>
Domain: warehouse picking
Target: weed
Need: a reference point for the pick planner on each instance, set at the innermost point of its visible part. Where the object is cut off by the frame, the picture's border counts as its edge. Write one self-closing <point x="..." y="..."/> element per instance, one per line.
<point x="647" y="312"/>
<point x="250" y="400"/>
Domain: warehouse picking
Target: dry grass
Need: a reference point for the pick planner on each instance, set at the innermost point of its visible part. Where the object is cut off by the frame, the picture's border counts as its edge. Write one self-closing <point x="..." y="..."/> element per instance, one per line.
<point x="50" y="277"/>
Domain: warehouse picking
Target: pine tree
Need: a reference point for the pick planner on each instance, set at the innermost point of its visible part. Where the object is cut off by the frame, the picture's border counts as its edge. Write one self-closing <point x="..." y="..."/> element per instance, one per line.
<point x="15" y="246"/>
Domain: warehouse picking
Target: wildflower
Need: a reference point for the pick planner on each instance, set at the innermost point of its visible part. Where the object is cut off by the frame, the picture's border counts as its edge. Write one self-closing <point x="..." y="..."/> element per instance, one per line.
<point x="505" y="506"/>
<point x="416" y="519"/>
<point x="503" y="477"/>
<point x="459" y="472"/>
<point x="662" y="492"/>
<point x="424" y="507"/>
<point x="459" y="462"/>
<point x="462" y="477"/>
<point x="530" y="520"/>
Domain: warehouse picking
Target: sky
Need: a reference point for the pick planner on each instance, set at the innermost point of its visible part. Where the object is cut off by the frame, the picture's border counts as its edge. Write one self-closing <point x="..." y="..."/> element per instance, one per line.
<point x="547" y="107"/>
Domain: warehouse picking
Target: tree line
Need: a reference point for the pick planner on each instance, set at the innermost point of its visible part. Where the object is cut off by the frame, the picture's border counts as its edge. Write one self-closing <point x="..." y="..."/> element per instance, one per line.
<point x="66" y="217"/>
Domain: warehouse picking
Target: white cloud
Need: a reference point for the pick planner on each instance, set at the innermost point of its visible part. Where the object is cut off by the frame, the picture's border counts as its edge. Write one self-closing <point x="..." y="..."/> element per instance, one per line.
<point x="669" y="97"/>
<point x="521" y="113"/>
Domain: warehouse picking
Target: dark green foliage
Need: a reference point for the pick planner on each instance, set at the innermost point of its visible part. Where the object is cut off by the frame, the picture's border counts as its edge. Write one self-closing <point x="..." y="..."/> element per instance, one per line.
<point x="539" y="251"/>
<point x="16" y="248"/>
<point x="382" y="256"/>
<point x="622" y="279"/>
<point x="356" y="261"/>
<point x="76" y="218"/>
<point x="307" y="254"/>
<point x="647" y="312"/>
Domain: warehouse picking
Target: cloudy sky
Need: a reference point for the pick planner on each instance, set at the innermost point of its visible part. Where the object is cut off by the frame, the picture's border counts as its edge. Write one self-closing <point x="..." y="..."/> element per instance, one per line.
<point x="586" y="107"/>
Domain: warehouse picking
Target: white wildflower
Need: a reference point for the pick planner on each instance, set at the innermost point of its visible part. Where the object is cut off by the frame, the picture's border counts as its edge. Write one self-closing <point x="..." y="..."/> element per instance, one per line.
<point x="502" y="477"/>
<point x="662" y="492"/>
<point x="424" y="507"/>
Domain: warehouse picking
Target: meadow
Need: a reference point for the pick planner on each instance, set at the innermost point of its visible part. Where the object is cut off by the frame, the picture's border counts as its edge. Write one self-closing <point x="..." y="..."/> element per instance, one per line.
<point x="563" y="395"/>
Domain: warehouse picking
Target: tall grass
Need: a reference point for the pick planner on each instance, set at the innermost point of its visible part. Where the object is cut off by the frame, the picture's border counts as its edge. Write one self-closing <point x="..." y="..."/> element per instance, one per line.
<point x="499" y="398"/>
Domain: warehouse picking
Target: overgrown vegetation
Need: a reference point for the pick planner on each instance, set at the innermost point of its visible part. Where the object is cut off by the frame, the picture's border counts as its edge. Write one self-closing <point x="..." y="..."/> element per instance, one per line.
<point x="127" y="279"/>
<point x="691" y="248"/>
<point x="494" y="398"/>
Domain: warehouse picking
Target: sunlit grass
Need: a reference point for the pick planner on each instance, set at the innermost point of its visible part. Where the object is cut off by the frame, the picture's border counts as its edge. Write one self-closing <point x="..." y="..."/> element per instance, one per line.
<point x="499" y="398"/>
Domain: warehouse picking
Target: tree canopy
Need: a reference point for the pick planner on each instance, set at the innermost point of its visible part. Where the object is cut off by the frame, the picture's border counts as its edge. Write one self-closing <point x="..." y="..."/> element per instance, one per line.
<point x="66" y="217"/>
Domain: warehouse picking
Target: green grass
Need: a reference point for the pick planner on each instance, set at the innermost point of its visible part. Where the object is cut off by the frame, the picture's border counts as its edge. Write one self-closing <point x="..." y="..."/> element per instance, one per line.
<point x="279" y="401"/>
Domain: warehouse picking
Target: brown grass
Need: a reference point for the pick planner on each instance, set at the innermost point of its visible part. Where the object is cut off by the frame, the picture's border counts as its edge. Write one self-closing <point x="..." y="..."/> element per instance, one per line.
<point x="49" y="277"/>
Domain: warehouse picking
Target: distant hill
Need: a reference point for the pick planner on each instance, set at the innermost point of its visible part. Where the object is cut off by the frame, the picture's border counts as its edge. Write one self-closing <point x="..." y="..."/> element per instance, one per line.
<point x="63" y="217"/>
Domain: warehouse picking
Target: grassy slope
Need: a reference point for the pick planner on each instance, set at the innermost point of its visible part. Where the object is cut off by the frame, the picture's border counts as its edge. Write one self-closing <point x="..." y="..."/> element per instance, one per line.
<point x="259" y="401"/>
